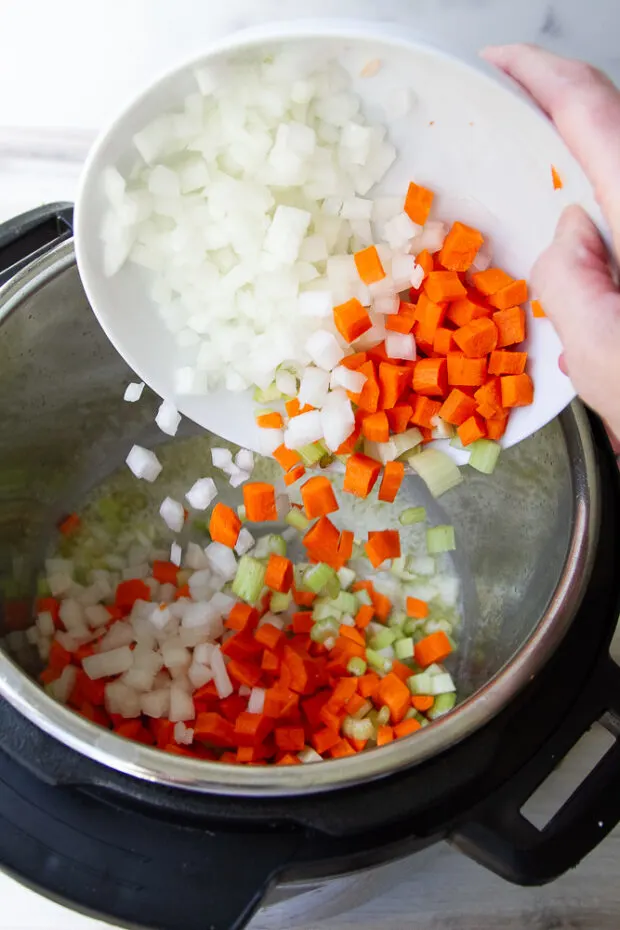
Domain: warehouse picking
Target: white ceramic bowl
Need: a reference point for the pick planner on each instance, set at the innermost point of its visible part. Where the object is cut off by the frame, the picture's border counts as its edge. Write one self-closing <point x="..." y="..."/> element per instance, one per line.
<point x="471" y="136"/>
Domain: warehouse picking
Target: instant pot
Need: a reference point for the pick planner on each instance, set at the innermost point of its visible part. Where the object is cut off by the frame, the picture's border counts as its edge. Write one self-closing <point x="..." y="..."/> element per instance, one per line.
<point x="145" y="839"/>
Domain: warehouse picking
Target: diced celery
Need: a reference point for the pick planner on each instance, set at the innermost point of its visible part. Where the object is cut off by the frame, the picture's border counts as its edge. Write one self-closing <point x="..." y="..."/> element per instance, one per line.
<point x="249" y="579"/>
<point x="357" y="729"/>
<point x="241" y="513"/>
<point x="484" y="455"/>
<point x="420" y="683"/>
<point x="280" y="602"/>
<point x="297" y="519"/>
<point x="377" y="661"/>
<point x="266" y="395"/>
<point x="404" y="648"/>
<point x="422" y="565"/>
<point x="434" y="669"/>
<point x="411" y="714"/>
<point x="405" y="442"/>
<point x="272" y="542"/>
<point x="318" y="577"/>
<point x="396" y="619"/>
<point x="299" y="571"/>
<point x="437" y="626"/>
<point x="322" y="631"/>
<point x="385" y="638"/>
<point x="443" y="704"/>
<point x="437" y="470"/>
<point x="363" y="597"/>
<point x="356" y="666"/>
<point x="399" y="567"/>
<point x="363" y="710"/>
<point x="325" y="612"/>
<point x="442" y="684"/>
<point x="383" y="716"/>
<point x="345" y="602"/>
<point x="456" y="443"/>
<point x="262" y="411"/>
<point x="346" y="577"/>
<point x="442" y="430"/>
<point x="312" y="453"/>
<point x="440" y="539"/>
<point x="412" y="515"/>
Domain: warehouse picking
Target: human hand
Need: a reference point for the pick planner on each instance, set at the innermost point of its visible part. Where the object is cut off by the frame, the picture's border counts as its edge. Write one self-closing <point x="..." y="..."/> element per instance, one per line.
<point x="573" y="278"/>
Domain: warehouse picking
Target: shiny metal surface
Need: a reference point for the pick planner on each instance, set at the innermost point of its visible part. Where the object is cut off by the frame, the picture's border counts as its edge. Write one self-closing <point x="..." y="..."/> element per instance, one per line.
<point x="526" y="535"/>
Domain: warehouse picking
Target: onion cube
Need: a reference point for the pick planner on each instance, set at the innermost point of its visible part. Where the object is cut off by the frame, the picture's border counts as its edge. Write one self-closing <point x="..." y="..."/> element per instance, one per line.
<point x="303" y="429"/>
<point x="244" y="459"/>
<point x="286" y="233"/>
<point x="143" y="463"/>
<point x="201" y="493"/>
<point x="176" y="554"/>
<point x="400" y="345"/>
<point x="221" y="458"/>
<point x="313" y="387"/>
<point x="402" y="270"/>
<point x="417" y="276"/>
<point x="348" y="379"/>
<point x="245" y="541"/>
<point x="45" y="623"/>
<point x="398" y="231"/>
<point x="173" y="514"/>
<point x="156" y="703"/>
<point x="181" y="705"/>
<point x="269" y="440"/>
<point x="315" y="303"/>
<point x="322" y="347"/>
<point x="133" y="391"/>
<point x="337" y="419"/>
<point x="168" y="418"/>
<point x="97" y="615"/>
<point x="105" y="664"/>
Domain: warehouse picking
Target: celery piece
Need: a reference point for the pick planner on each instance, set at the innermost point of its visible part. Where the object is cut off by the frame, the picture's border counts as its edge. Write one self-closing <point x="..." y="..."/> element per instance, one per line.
<point x="280" y="602"/>
<point x="421" y="683"/>
<point x="442" y="684"/>
<point x="363" y="598"/>
<point x="412" y="515"/>
<point x="240" y="513"/>
<point x="437" y="470"/>
<point x="377" y="661"/>
<point x="318" y="578"/>
<point x="322" y="631"/>
<point x="405" y="442"/>
<point x="440" y="539"/>
<point x="357" y="729"/>
<point x="484" y="455"/>
<point x="249" y="579"/>
<point x="383" y="716"/>
<point x="312" y="453"/>
<point x="404" y="648"/>
<point x="437" y="626"/>
<point x="443" y="704"/>
<point x="325" y="612"/>
<point x="332" y="588"/>
<point x="266" y="395"/>
<point x="385" y="638"/>
<point x="456" y="443"/>
<point x="413" y="626"/>
<point x="268" y="544"/>
<point x="434" y="669"/>
<point x="297" y="519"/>
<point x="299" y="571"/>
<point x="356" y="666"/>
<point x="346" y="577"/>
<point x="396" y="619"/>
<point x="346" y="603"/>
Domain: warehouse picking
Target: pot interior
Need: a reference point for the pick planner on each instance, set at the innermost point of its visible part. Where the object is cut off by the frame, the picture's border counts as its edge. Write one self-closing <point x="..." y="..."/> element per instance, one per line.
<point x="66" y="429"/>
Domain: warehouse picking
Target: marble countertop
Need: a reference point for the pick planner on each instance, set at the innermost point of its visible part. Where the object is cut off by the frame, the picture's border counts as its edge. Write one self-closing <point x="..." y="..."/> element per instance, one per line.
<point x="65" y="69"/>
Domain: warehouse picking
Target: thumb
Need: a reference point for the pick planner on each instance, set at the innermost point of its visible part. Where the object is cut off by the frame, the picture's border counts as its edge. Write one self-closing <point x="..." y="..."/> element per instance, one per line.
<point x="574" y="281"/>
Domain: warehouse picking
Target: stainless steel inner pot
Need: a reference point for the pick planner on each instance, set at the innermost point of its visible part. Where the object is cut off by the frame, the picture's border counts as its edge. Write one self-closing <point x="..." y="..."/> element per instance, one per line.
<point x="526" y="534"/>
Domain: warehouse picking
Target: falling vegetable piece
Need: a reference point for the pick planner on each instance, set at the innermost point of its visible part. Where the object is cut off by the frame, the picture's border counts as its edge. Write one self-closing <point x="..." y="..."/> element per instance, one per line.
<point x="259" y="499"/>
<point x="537" y="310"/>
<point x="224" y="525"/>
<point x="382" y="545"/>
<point x="460" y="247"/>
<point x="369" y="266"/>
<point x="318" y="497"/>
<point x="556" y="179"/>
<point x="418" y="203"/>
<point x="361" y="473"/>
<point x="393" y="475"/>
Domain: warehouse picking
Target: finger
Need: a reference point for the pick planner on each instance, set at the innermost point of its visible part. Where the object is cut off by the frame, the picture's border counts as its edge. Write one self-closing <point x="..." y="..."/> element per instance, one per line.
<point x="573" y="280"/>
<point x="584" y="105"/>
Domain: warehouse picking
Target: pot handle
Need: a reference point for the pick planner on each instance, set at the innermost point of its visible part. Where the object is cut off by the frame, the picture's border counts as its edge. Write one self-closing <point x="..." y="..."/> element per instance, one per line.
<point x="500" y="837"/>
<point x="26" y="237"/>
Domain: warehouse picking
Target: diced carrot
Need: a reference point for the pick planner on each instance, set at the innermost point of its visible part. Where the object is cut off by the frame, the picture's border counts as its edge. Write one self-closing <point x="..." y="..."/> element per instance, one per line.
<point x="401" y="322"/>
<point x="510" y="325"/>
<point x="290" y="739"/>
<point x="556" y="180"/>
<point x="444" y="285"/>
<point x="399" y="417"/>
<point x="318" y="496"/>
<point x="375" y="427"/>
<point x="303" y="598"/>
<point x="466" y="372"/>
<point x="433" y="648"/>
<point x="297" y="472"/>
<point x="69" y="525"/>
<point x="361" y="473"/>
<point x="417" y="608"/>
<point x="418" y="203"/>
<point x="286" y="458"/>
<point x="292" y="408"/>
<point x="422" y="702"/>
<point x="464" y="310"/>
<point x="507" y="363"/>
<point x="406" y="727"/>
<point x="59" y="657"/>
<point x="354" y="361"/>
<point x="368" y="684"/>
<point x="393" y="382"/>
<point x="49" y="605"/>
<point x="491" y="281"/>
<point x="429" y="315"/>
<point x="322" y="540"/>
<point x="251" y="729"/>
<point x="401" y="670"/>
<point x="364" y="616"/>
<point x="430" y="377"/>
<point x="381" y="604"/>
<point x="350" y="632"/>
<point x="245" y="673"/>
<point x="224" y="525"/>
<point x="385" y="735"/>
<point x="302" y="621"/>
<point x="424" y="411"/>
<point x="517" y="390"/>
<point x="183" y="591"/>
<point x="212" y="728"/>
<point x="270" y="420"/>
<point x="382" y="545"/>
<point x="510" y="295"/>
<point x="460" y="247"/>
<point x="342" y="749"/>
<point x="128" y="592"/>
<point x="393" y="474"/>
<point x="345" y="545"/>
<point x="537" y="309"/>
<point x="241" y="616"/>
<point x="378" y="354"/>
<point x="443" y="341"/>
<point x="425" y="260"/>
<point x="472" y="429"/>
<point x="269" y="636"/>
<point x="279" y="574"/>
<point x="259" y="499"/>
<point x="496" y="427"/>
<point x="288" y="759"/>
<point x="325" y="739"/>
<point x="270" y="662"/>
<point x="457" y="407"/>
<point x="351" y="320"/>
<point x="164" y="572"/>
<point x="477" y="338"/>
<point x="368" y="265"/>
<point x="395" y="695"/>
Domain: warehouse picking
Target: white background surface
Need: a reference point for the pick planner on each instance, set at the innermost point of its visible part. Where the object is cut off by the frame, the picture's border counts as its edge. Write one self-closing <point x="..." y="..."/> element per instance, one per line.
<point x="65" y="67"/>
